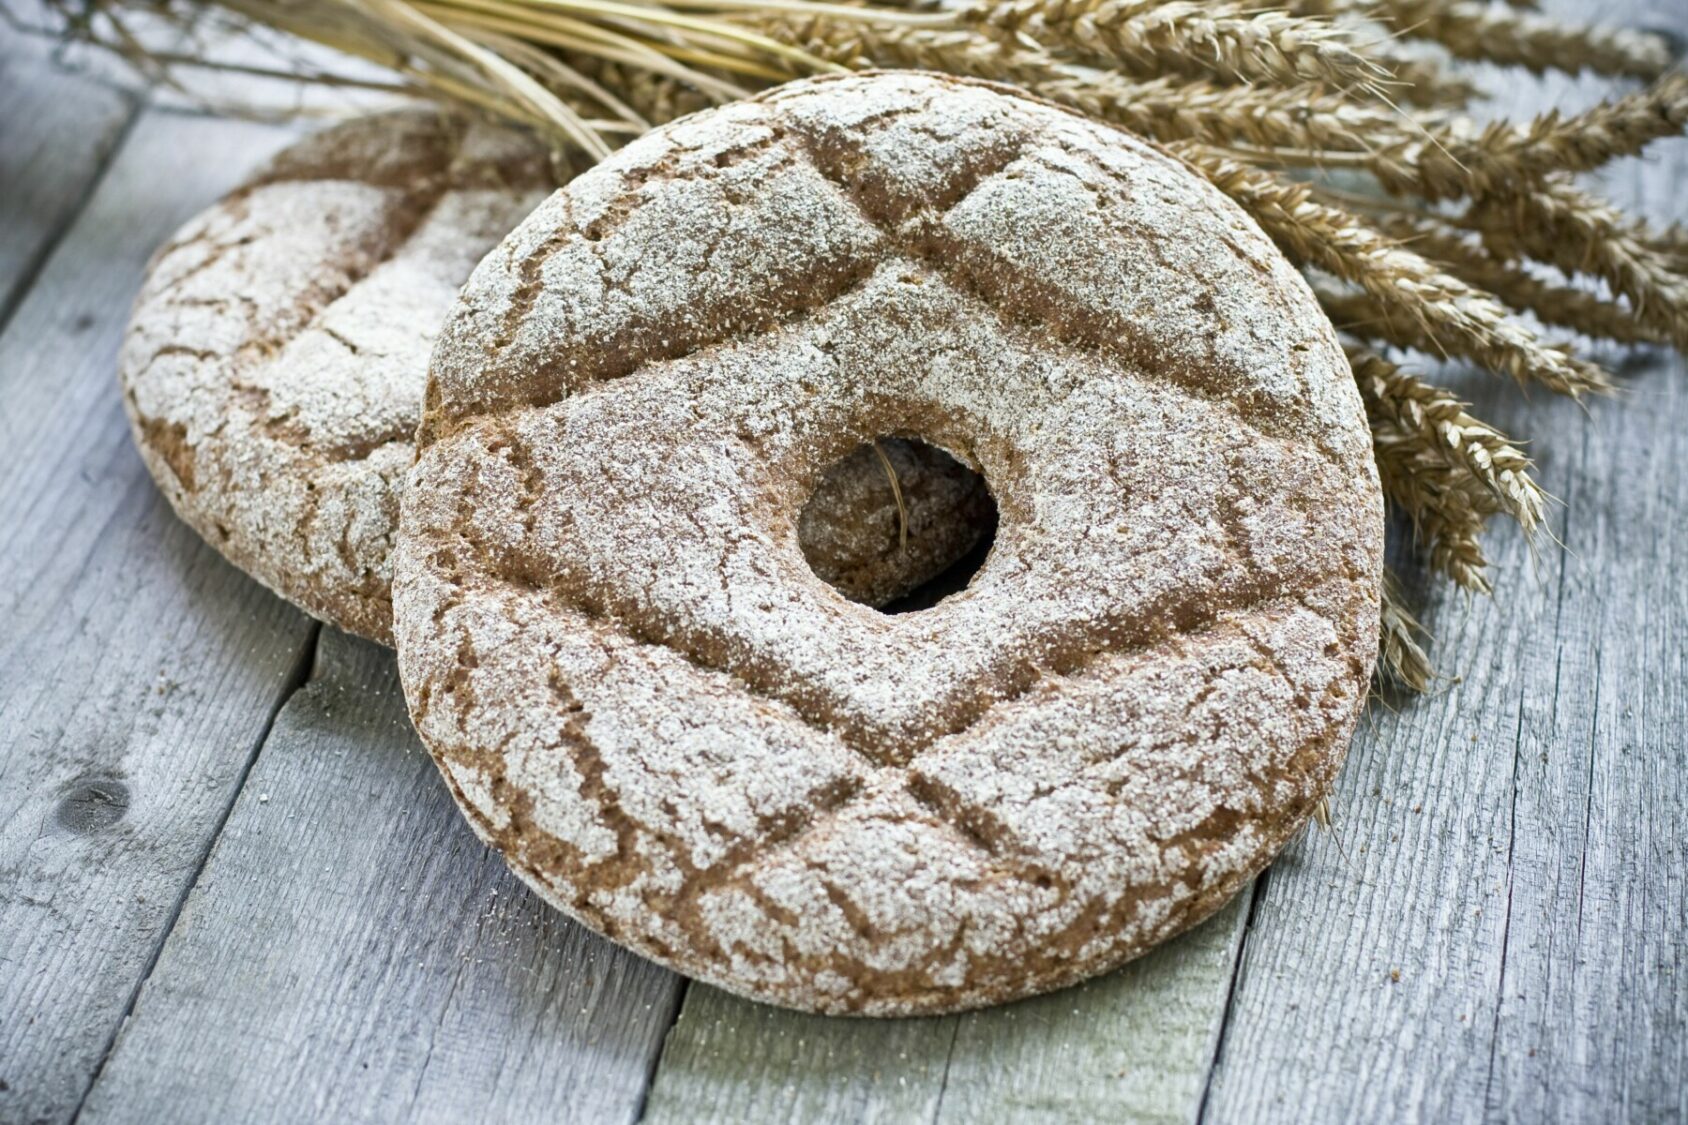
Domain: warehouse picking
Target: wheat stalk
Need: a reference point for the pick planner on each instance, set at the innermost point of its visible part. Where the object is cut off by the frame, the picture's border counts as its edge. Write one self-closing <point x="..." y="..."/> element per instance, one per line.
<point x="1446" y="470"/>
<point x="1504" y="156"/>
<point x="1235" y="41"/>
<point x="1461" y="320"/>
<point x="1535" y="42"/>
<point x="1446" y="523"/>
<point x="1580" y="310"/>
<point x="1581" y="233"/>
<point x="1162" y="108"/>
<point x="1442" y="423"/>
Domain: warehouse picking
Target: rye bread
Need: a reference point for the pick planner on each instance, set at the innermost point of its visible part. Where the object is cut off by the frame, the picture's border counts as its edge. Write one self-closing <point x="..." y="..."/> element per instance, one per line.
<point x="644" y="697"/>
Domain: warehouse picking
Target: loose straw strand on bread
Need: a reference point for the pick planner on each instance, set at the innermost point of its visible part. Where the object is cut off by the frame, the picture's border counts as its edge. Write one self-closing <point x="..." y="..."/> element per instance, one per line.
<point x="896" y="494"/>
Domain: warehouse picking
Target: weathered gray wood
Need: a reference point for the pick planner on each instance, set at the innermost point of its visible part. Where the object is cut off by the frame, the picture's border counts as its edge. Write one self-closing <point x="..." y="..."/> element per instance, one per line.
<point x="1520" y="838"/>
<point x="137" y="670"/>
<point x="728" y="1059"/>
<point x="1131" y="1046"/>
<point x="352" y="952"/>
<point x="57" y="129"/>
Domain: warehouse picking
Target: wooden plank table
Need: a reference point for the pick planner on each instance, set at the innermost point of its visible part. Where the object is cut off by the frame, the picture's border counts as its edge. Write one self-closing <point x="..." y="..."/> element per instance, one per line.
<point x="233" y="888"/>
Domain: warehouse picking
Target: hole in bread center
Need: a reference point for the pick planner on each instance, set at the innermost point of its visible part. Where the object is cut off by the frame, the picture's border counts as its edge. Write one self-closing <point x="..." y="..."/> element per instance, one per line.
<point x="898" y="525"/>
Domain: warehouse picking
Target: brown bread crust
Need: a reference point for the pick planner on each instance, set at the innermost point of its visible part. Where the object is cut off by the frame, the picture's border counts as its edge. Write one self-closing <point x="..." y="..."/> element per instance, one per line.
<point x="643" y="696"/>
<point x="274" y="366"/>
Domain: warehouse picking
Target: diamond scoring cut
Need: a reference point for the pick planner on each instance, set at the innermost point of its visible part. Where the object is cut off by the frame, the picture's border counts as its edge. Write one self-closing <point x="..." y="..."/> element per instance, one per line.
<point x="881" y="782"/>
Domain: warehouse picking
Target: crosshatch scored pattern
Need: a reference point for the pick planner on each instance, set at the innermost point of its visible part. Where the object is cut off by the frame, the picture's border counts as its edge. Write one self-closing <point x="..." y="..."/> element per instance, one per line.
<point x="1245" y="555"/>
<point x="275" y="363"/>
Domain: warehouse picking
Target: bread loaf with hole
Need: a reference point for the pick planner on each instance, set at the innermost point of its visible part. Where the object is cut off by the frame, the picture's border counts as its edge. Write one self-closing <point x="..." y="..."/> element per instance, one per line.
<point x="644" y="697"/>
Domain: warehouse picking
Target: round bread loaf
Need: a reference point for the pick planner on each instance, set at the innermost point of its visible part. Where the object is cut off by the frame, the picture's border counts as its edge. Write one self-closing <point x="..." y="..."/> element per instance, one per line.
<point x="643" y="696"/>
<point x="274" y="367"/>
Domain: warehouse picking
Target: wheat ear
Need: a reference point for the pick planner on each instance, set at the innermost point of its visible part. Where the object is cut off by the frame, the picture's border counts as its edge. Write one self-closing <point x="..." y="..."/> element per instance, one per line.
<point x="1505" y="156"/>
<point x="1461" y="320"/>
<point x="1564" y="226"/>
<point x="1519" y="38"/>
<point x="1401" y="660"/>
<point x="1565" y="306"/>
<point x="1446" y="521"/>
<point x="1442" y="422"/>
<point x="1237" y="41"/>
<point x="1302" y="116"/>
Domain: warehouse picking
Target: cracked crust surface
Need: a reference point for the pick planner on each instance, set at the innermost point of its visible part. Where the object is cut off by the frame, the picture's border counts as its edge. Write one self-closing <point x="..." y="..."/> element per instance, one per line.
<point x="642" y="695"/>
<point x="274" y="367"/>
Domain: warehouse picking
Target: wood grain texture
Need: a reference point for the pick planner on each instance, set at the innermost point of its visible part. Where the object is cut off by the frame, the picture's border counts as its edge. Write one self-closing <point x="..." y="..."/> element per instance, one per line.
<point x="352" y="952"/>
<point x="1519" y="838"/>
<point x="137" y="670"/>
<point x="729" y="1059"/>
<point x="1130" y="1046"/>
<point x="57" y="130"/>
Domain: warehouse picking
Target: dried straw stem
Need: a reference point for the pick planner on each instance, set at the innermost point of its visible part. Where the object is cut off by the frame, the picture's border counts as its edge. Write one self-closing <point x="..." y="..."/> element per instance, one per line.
<point x="1302" y="117"/>
<point x="1460" y="320"/>
<point x="956" y="51"/>
<point x="1419" y="155"/>
<point x="1361" y="315"/>
<point x="656" y="98"/>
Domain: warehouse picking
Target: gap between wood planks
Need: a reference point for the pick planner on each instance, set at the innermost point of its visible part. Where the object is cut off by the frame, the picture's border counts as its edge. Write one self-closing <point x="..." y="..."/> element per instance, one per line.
<point x="655" y="1064"/>
<point x="32" y="268"/>
<point x="1255" y="891"/>
<point x="304" y="668"/>
<point x="30" y="53"/>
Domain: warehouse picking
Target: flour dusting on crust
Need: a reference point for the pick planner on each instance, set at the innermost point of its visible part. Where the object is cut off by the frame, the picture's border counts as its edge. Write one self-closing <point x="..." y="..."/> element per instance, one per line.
<point x="275" y="364"/>
<point x="673" y="729"/>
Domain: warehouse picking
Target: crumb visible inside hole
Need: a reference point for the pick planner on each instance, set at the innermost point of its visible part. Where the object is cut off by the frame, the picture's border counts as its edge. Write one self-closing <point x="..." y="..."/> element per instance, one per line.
<point x="898" y="524"/>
